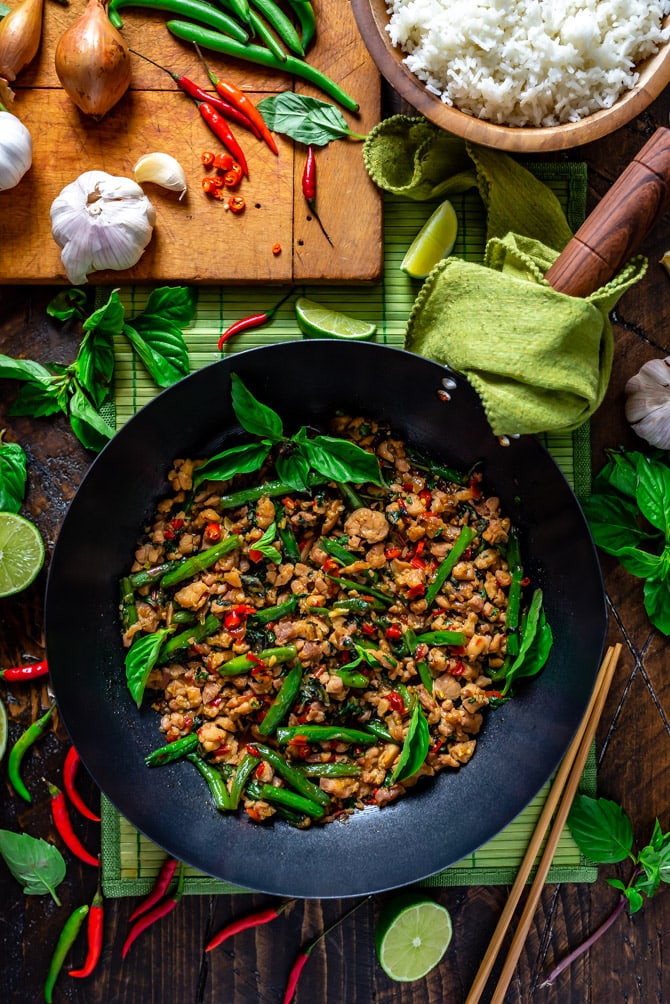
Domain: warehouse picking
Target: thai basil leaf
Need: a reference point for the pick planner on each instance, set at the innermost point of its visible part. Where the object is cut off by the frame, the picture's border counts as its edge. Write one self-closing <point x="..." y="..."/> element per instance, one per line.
<point x="67" y="304"/>
<point x="237" y="460"/>
<point x="649" y="860"/>
<point x="175" y="304"/>
<point x="293" y="469"/>
<point x="94" y="365"/>
<point x="653" y="493"/>
<point x="415" y="748"/>
<point x="339" y="459"/>
<point x="256" y="418"/>
<point x="619" y="473"/>
<point x="601" y="829"/>
<point x="535" y="643"/>
<point x="108" y="319"/>
<point x="35" y="863"/>
<point x="306" y="120"/>
<point x="88" y="426"/>
<point x="657" y="601"/>
<point x="640" y="563"/>
<point x="161" y="347"/>
<point x="613" y="521"/>
<point x="40" y="400"/>
<point x="266" y="544"/>
<point x="141" y="658"/>
<point x="24" y="369"/>
<point x="12" y="476"/>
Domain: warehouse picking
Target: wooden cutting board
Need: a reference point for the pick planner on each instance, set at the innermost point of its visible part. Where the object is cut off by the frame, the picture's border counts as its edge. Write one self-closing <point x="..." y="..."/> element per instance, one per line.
<point x="196" y="240"/>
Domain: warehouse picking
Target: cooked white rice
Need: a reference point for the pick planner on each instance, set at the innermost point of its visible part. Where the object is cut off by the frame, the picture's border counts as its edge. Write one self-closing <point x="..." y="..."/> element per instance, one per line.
<point x="527" y="62"/>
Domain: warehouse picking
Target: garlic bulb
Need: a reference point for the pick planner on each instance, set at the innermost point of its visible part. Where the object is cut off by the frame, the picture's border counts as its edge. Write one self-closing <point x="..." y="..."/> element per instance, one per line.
<point x="648" y="402"/>
<point x="161" y="169"/>
<point x="16" y="150"/>
<point x="101" y="221"/>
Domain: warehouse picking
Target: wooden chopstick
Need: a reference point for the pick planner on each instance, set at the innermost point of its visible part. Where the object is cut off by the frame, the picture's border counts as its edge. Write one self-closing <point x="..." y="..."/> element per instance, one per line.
<point x="562" y="791"/>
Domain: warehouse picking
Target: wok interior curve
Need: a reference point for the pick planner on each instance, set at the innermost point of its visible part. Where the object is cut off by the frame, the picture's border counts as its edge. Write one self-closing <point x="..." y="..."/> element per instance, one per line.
<point x="438" y="823"/>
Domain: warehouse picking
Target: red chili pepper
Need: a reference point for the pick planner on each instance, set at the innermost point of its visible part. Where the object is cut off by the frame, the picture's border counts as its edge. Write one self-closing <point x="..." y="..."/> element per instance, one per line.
<point x="309" y="189"/>
<point x="244" y="923"/>
<point x="416" y="591"/>
<point x="14" y="674"/>
<point x="240" y="101"/>
<point x="244" y="609"/>
<point x="394" y="632"/>
<point x="300" y="962"/>
<point x="221" y="130"/>
<point x="94" y="934"/>
<point x="70" y="768"/>
<point x="426" y="497"/>
<point x="236" y="204"/>
<point x="457" y="670"/>
<point x="392" y="552"/>
<point x="207" y="158"/>
<point x="330" y="565"/>
<point x="213" y="531"/>
<point x="232" y="621"/>
<point x="156" y="913"/>
<point x="63" y="824"/>
<point x="525" y="581"/>
<point x="252" y="321"/>
<point x="276" y="249"/>
<point x="233" y="176"/>
<point x="167" y="870"/>
<point x="369" y="629"/>
<point x="396" y="702"/>
<point x="224" y="162"/>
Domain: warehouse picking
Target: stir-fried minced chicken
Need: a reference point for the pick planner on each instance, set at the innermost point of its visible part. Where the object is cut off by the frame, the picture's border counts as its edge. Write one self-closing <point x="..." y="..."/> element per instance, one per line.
<point x="351" y="578"/>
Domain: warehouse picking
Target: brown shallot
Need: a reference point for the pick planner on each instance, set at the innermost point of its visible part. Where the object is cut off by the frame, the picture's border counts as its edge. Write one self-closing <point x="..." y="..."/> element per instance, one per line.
<point x="93" y="61"/>
<point x="20" y="36"/>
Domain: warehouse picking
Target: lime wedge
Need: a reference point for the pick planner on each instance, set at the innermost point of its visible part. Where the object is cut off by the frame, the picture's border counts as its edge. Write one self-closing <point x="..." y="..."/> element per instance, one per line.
<point x="412" y="934"/>
<point x="317" y="321"/>
<point x="434" y="241"/>
<point x="21" y="553"/>
<point x="3" y="730"/>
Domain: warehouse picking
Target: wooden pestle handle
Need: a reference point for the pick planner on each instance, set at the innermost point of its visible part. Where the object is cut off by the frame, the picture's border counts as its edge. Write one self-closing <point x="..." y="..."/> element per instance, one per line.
<point x="619" y="223"/>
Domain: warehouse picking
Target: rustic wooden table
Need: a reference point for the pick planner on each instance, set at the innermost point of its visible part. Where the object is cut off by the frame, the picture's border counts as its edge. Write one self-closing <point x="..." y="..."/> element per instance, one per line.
<point x="633" y="747"/>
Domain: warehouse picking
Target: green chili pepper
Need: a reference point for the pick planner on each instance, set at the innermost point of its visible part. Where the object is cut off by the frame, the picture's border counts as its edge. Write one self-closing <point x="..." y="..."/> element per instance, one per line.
<point x="244" y="770"/>
<point x="263" y="57"/>
<point x="21" y="747"/>
<point x="291" y="800"/>
<point x="281" y="24"/>
<point x="215" y="781"/>
<point x="275" y="613"/>
<point x="65" y="941"/>
<point x="322" y="734"/>
<point x="200" y="561"/>
<point x="183" y="8"/>
<point x="245" y="663"/>
<point x="291" y="774"/>
<point x="172" y="751"/>
<point x="198" y="632"/>
<point x="463" y="541"/>
<point x="306" y="19"/>
<point x="337" y="769"/>
<point x="283" y="702"/>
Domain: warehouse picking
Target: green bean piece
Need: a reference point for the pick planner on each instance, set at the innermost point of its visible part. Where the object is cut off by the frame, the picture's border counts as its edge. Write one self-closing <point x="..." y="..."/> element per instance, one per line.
<point x="357" y="605"/>
<point x="288" y="539"/>
<point x="323" y="734"/>
<point x="350" y="678"/>
<point x="172" y="751"/>
<point x="278" y="20"/>
<point x="462" y="542"/>
<point x="283" y="702"/>
<point x="441" y="638"/>
<point x="337" y="769"/>
<point x="291" y="800"/>
<point x="243" y="771"/>
<point x="364" y="590"/>
<point x="263" y="57"/>
<point x="129" y="615"/>
<point x="21" y="747"/>
<point x="336" y="551"/>
<point x="200" y="561"/>
<point x="66" y="940"/>
<point x="198" y="632"/>
<point x="295" y="818"/>
<point x="202" y="12"/>
<point x="148" y="576"/>
<point x="424" y="463"/>
<point x="423" y="670"/>
<point x="379" y="731"/>
<point x="291" y="774"/>
<point x="351" y="497"/>
<point x="240" y="664"/>
<point x="271" y="489"/>
<point x="182" y="617"/>
<point x="264" y="33"/>
<point x="514" y="595"/>
<point x="215" y="782"/>
<point x="306" y="19"/>
<point x="270" y="614"/>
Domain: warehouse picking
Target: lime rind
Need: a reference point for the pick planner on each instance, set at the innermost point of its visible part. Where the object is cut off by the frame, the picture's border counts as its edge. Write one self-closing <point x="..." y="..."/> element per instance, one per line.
<point x="21" y="553"/>
<point x="412" y="937"/>
<point x="4" y="729"/>
<point x="434" y="241"/>
<point x="318" y="321"/>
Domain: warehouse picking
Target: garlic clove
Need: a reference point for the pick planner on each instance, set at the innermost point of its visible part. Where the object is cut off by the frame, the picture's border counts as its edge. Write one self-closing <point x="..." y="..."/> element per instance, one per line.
<point x="16" y="150"/>
<point x="161" y="169"/>
<point x="648" y="402"/>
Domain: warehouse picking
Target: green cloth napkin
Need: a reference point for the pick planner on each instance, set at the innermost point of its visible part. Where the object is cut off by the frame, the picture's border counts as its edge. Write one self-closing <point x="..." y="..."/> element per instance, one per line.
<point x="539" y="360"/>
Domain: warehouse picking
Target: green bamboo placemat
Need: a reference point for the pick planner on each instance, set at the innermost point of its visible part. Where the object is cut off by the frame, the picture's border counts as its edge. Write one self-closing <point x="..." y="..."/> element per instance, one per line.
<point x="130" y="861"/>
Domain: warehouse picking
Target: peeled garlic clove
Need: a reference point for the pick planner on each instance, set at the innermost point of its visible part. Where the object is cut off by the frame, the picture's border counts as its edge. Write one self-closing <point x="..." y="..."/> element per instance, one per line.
<point x="161" y="169"/>
<point x="101" y="221"/>
<point x="648" y="402"/>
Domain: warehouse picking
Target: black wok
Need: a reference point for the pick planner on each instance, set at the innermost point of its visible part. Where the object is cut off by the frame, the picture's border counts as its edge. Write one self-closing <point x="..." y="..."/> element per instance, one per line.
<point x="441" y="822"/>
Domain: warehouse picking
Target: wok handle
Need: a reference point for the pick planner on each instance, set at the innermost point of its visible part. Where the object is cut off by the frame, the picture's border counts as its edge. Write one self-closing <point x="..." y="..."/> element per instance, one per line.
<point x="619" y="223"/>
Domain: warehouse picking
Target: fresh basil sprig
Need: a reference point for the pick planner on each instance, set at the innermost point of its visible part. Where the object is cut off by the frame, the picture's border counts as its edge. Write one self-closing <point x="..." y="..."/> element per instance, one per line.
<point x="297" y="455"/>
<point x="81" y="389"/>
<point x="304" y="119"/>
<point x="266" y="545"/>
<point x="535" y="642"/>
<point x="604" y="833"/>
<point x="35" y="863"/>
<point x="629" y="517"/>
<point x="141" y="658"/>
<point x="415" y="747"/>
<point x="12" y="475"/>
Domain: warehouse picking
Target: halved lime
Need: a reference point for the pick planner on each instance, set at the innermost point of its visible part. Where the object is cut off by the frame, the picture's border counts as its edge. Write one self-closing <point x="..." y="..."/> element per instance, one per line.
<point x="21" y="553"/>
<point x="434" y="241"/>
<point x="317" y="321"/>
<point x="412" y="934"/>
<point x="3" y="729"/>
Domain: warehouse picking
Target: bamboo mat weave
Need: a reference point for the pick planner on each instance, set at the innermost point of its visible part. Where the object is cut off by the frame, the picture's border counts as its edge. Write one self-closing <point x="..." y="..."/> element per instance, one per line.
<point x="130" y="861"/>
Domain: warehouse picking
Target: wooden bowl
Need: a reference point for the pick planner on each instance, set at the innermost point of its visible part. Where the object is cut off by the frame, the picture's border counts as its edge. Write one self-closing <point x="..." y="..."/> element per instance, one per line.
<point x="372" y="20"/>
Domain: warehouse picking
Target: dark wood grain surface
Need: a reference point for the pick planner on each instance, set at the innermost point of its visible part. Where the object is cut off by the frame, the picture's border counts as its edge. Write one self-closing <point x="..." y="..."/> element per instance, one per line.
<point x="170" y="967"/>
